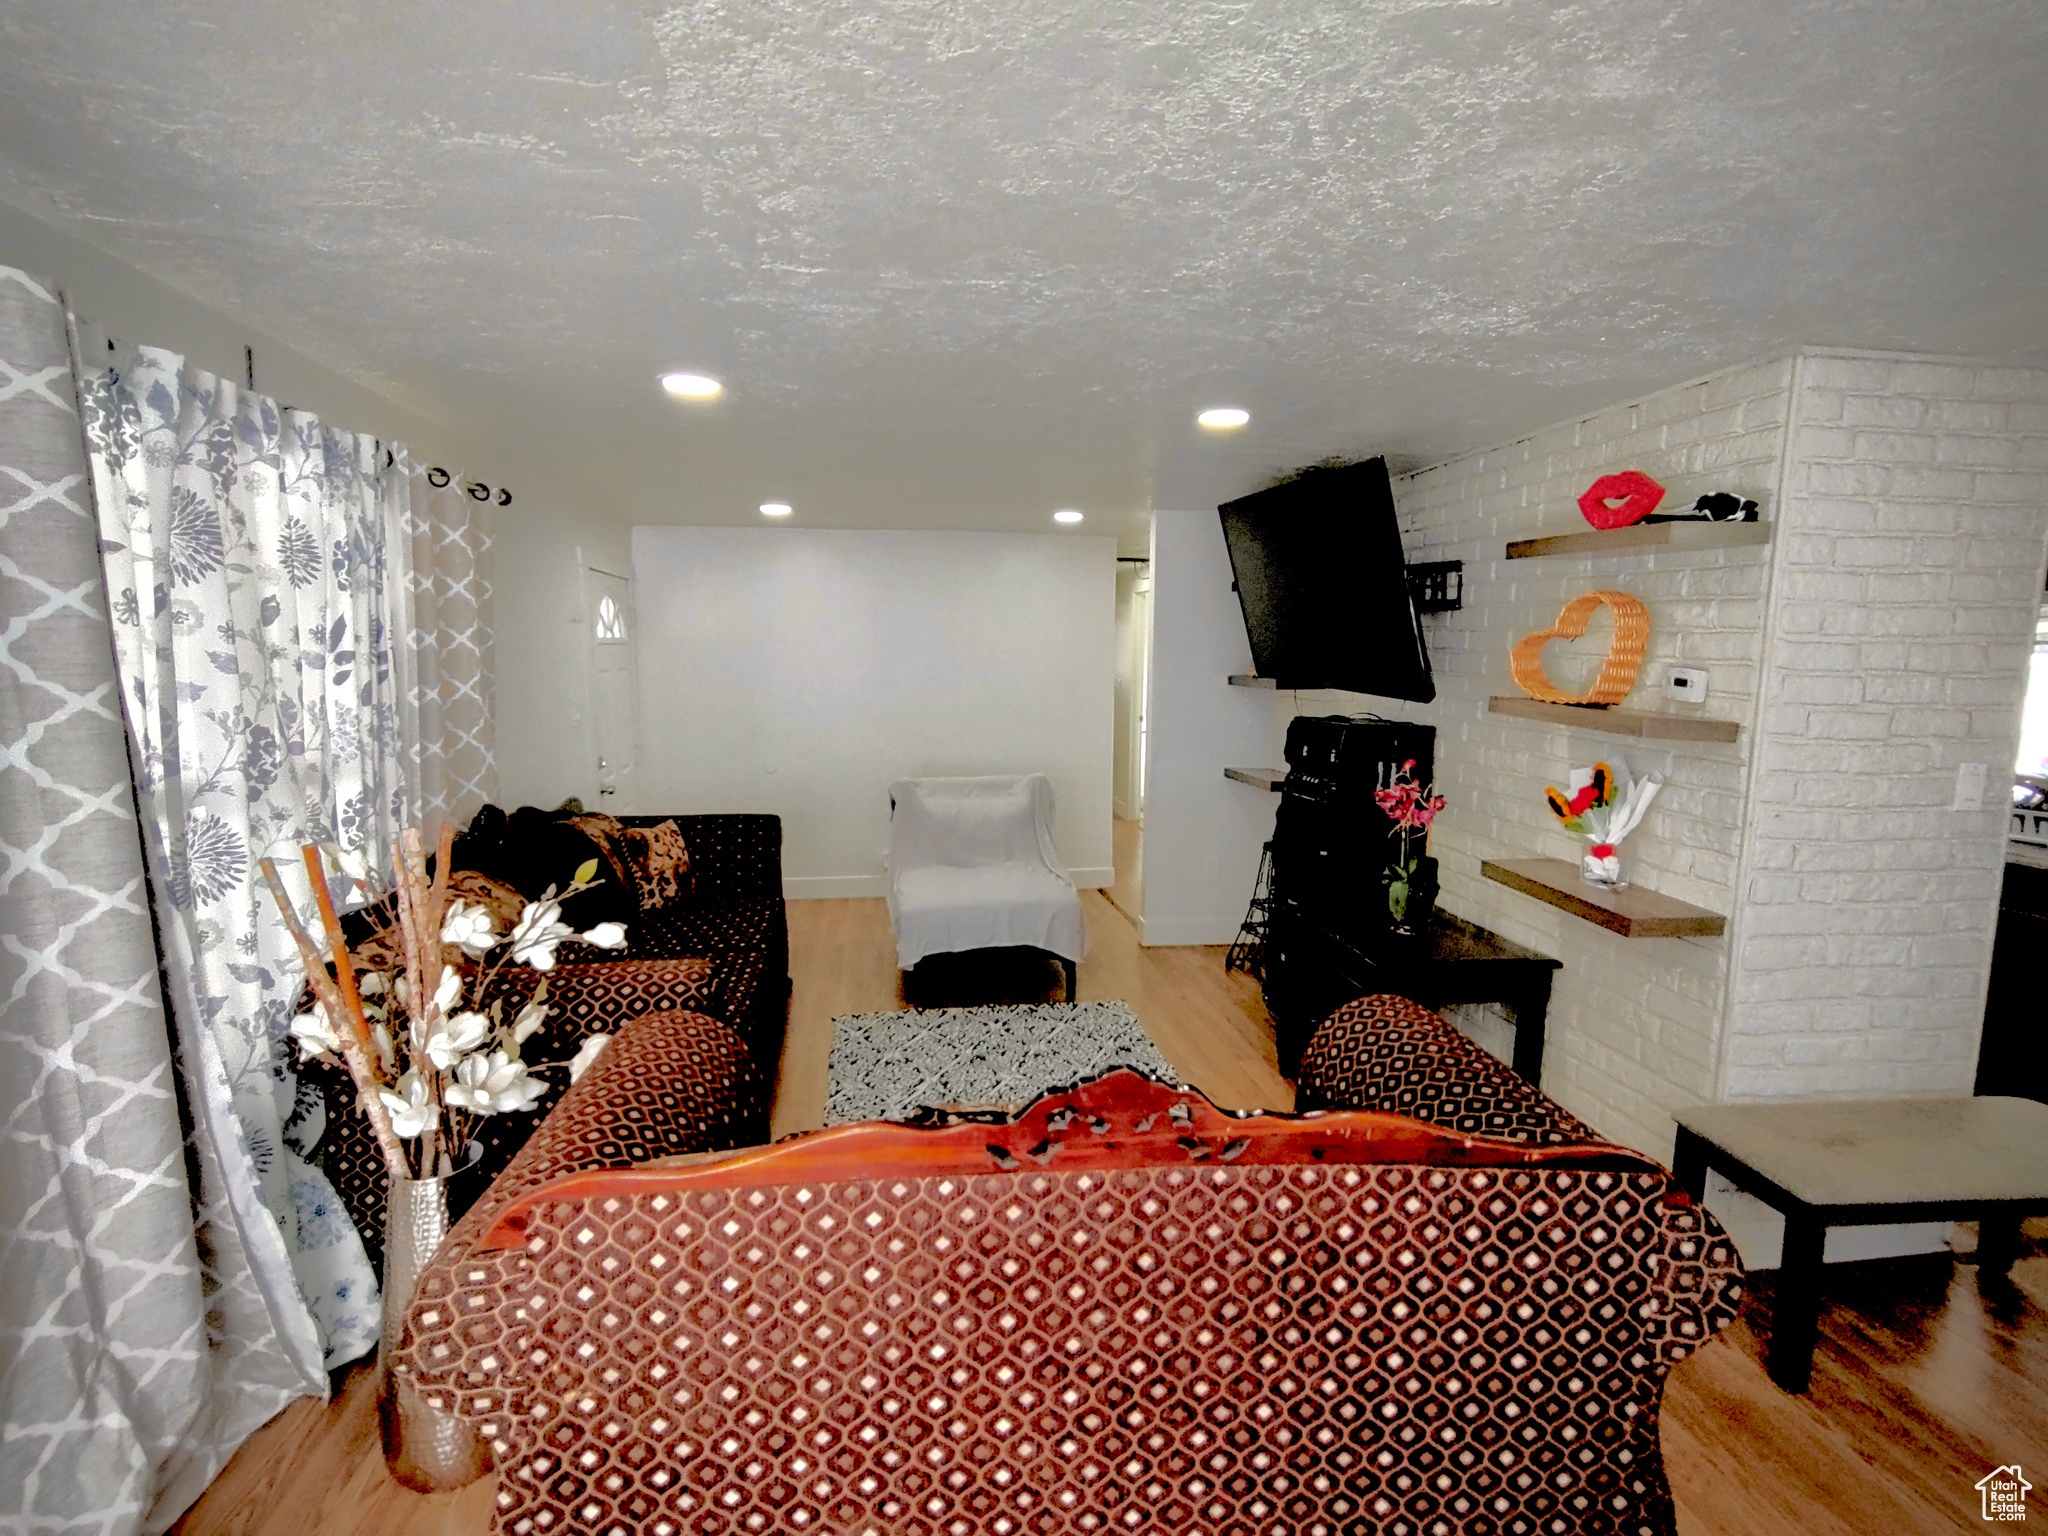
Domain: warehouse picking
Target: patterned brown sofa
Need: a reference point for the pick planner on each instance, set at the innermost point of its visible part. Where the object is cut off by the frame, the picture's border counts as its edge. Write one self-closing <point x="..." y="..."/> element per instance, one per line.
<point x="729" y="911"/>
<point x="1124" y="1311"/>
<point x="720" y="949"/>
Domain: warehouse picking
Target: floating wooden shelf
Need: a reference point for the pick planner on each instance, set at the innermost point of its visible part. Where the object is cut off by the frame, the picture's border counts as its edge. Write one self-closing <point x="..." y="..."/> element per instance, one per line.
<point x="1676" y="537"/>
<point x="1647" y="723"/>
<point x="1246" y="680"/>
<point x="1258" y="778"/>
<point x="1632" y="912"/>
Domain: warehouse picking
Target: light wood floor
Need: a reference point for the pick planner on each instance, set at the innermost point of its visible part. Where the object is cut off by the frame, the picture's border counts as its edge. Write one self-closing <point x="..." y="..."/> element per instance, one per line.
<point x="1921" y="1386"/>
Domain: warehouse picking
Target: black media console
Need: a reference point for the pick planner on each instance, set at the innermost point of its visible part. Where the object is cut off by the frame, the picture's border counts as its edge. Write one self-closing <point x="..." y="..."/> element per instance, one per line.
<point x="1328" y="938"/>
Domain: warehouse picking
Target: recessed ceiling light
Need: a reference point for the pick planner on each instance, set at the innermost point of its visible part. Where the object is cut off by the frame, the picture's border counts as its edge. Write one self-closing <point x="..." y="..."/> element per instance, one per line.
<point x="776" y="509"/>
<point x="1224" y="417"/>
<point x="692" y="386"/>
<point x="1066" y="515"/>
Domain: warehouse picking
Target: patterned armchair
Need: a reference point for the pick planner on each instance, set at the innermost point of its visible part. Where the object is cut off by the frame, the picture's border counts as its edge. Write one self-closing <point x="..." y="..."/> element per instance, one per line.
<point x="1124" y="1310"/>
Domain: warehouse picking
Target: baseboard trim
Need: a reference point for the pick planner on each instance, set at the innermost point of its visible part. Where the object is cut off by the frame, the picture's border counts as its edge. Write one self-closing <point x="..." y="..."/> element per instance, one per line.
<point x="829" y="887"/>
<point x="1173" y="932"/>
<point x="838" y="887"/>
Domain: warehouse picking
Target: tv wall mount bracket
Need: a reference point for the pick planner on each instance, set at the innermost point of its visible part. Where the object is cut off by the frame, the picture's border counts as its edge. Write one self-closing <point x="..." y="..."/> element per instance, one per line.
<point x="1437" y="586"/>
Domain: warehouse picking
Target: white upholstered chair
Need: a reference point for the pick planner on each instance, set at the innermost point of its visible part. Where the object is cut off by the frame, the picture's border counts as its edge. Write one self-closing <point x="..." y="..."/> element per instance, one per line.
<point x="972" y="866"/>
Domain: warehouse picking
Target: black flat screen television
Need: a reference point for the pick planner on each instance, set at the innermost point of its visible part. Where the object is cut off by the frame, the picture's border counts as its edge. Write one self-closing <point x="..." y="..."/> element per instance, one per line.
<point x="1324" y="585"/>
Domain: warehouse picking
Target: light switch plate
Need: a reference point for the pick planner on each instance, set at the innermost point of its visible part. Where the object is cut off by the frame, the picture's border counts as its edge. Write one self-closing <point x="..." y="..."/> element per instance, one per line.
<point x="1688" y="685"/>
<point x="1970" y="780"/>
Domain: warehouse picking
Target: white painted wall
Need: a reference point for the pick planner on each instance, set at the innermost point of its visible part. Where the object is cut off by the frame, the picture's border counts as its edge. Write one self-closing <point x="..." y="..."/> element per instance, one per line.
<point x="799" y="671"/>
<point x="1203" y="832"/>
<point x="543" y="745"/>
<point x="1133" y="638"/>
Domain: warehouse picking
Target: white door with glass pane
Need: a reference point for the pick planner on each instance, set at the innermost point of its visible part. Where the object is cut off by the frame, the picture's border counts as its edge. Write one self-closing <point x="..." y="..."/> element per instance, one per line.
<point x="614" y="690"/>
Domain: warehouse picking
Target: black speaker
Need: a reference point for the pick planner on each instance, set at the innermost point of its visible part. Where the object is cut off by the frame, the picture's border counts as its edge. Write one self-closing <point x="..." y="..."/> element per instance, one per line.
<point x="1332" y="844"/>
<point x="1356" y="753"/>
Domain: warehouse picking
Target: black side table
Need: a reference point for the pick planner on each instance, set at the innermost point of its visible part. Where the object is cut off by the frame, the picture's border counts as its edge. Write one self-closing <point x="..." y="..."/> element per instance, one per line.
<point x="1843" y="1163"/>
<point x="1449" y="961"/>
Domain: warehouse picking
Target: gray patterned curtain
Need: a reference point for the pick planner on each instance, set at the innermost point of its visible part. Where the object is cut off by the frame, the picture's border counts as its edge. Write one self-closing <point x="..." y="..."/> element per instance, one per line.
<point x="449" y="675"/>
<point x="131" y="1363"/>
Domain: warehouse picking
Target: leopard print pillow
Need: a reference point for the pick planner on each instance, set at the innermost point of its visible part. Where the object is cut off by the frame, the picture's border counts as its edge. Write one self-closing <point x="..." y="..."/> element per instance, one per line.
<point x="660" y="861"/>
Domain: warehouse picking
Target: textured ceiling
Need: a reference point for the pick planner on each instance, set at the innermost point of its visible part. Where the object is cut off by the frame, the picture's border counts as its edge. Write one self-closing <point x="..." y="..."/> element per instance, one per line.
<point x="960" y="264"/>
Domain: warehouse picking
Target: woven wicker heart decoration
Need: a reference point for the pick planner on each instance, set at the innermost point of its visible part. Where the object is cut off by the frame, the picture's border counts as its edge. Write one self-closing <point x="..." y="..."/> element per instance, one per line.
<point x="1617" y="671"/>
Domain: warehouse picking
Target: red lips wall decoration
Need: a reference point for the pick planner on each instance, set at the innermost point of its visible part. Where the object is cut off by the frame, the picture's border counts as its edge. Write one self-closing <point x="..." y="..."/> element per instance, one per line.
<point x="1636" y="491"/>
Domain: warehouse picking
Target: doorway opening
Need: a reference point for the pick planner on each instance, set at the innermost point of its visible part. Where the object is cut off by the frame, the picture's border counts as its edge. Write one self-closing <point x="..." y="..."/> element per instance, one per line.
<point x="614" y="688"/>
<point x="2012" y="1053"/>
<point x="1133" y="675"/>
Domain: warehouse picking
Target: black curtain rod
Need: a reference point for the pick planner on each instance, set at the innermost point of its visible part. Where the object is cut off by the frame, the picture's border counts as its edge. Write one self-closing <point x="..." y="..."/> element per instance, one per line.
<point x="439" y="478"/>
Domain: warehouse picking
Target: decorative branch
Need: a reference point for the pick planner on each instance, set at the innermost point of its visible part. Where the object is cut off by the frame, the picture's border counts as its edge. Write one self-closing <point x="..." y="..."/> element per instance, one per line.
<point x="445" y="1145"/>
<point x="337" y="941"/>
<point x="409" y="944"/>
<point x="350" y="1025"/>
<point x="471" y="1069"/>
<point x="421" y="926"/>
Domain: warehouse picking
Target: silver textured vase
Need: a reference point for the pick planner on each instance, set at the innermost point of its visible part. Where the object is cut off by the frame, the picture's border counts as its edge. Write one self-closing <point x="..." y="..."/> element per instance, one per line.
<point x="425" y="1449"/>
<point x="415" y="1226"/>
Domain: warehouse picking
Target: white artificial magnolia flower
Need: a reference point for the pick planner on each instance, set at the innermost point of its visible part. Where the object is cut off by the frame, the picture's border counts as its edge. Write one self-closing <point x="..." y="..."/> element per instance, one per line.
<point x="531" y="1017"/>
<point x="381" y="1038"/>
<point x="410" y="1111"/>
<point x="351" y="864"/>
<point x="469" y="927"/>
<point x="495" y="1085"/>
<point x="457" y="1038"/>
<point x="607" y="936"/>
<point x="586" y="1053"/>
<point x="316" y="1034"/>
<point x="370" y="983"/>
<point x="539" y="929"/>
<point x="447" y="992"/>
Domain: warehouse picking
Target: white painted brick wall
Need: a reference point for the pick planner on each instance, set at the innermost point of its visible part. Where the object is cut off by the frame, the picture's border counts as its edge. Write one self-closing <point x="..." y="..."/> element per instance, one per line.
<point x="1634" y="1024"/>
<point x="1904" y="586"/>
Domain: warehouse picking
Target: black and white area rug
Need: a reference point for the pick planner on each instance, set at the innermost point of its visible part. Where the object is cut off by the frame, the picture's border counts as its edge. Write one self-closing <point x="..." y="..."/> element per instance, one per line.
<point x="885" y="1066"/>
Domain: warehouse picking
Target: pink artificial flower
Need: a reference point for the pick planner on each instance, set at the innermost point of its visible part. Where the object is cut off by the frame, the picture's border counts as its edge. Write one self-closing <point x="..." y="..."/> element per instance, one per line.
<point x="1405" y="803"/>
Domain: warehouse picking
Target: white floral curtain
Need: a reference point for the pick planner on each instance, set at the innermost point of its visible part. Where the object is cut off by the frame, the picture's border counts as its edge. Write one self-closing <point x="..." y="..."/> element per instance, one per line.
<point x="251" y="557"/>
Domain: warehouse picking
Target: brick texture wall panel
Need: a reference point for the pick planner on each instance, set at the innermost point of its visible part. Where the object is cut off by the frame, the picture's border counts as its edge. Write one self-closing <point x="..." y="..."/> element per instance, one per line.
<point x="1905" y="584"/>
